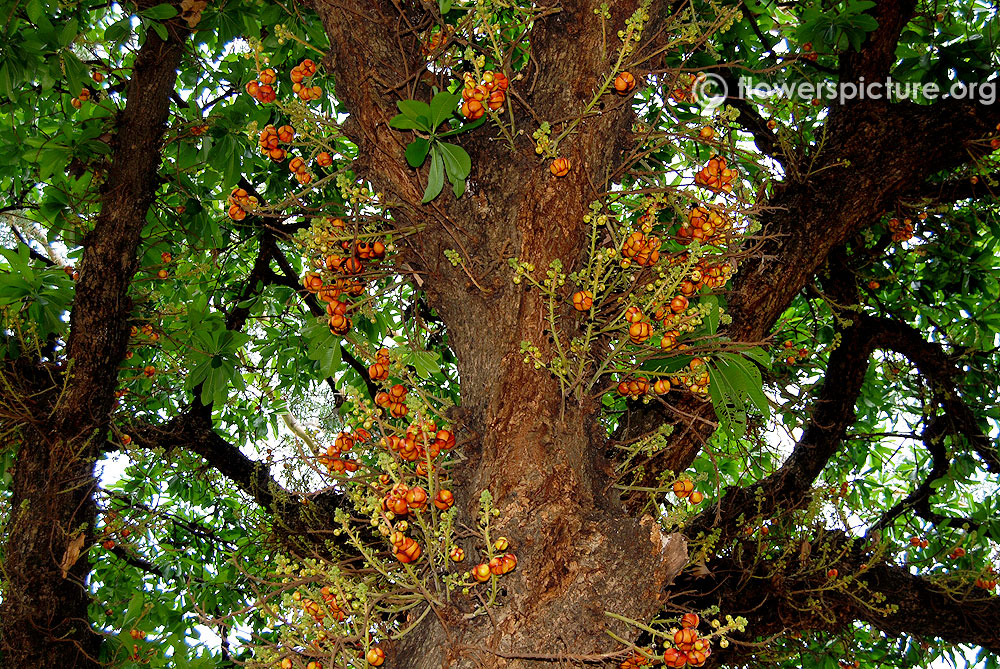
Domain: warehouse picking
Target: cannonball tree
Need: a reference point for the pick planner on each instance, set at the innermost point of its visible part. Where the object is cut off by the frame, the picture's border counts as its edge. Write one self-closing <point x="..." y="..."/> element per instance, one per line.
<point x="495" y="333"/>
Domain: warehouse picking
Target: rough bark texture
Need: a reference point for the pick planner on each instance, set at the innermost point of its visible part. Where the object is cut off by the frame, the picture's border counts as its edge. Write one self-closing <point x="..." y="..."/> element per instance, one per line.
<point x="44" y="615"/>
<point x="579" y="553"/>
<point x="541" y="460"/>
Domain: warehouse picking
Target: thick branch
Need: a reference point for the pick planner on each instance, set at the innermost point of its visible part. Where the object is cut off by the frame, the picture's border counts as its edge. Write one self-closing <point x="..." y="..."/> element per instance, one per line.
<point x="800" y="595"/>
<point x="953" y="190"/>
<point x="920" y="499"/>
<point x="877" y="55"/>
<point x="833" y="413"/>
<point x="194" y="433"/>
<point x="940" y="370"/>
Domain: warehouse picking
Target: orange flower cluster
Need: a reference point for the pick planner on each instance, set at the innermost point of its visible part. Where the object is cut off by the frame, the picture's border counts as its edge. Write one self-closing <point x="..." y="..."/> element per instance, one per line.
<point x="300" y="72"/>
<point x="624" y="83"/>
<point x="634" y="661"/>
<point x="421" y="440"/>
<point x="339" y="322"/>
<point x="405" y="549"/>
<point x="78" y="101"/>
<point x="498" y="566"/>
<point x="583" y="300"/>
<point x="400" y="500"/>
<point x="689" y="647"/>
<point x="343" y="443"/>
<point x="684" y="90"/>
<point x="638" y="330"/>
<point x="987" y="581"/>
<point x="684" y="489"/>
<point x="705" y="273"/>
<point x="697" y="379"/>
<point x="345" y="268"/>
<point x="394" y="401"/>
<point x="297" y="166"/>
<point x="375" y="656"/>
<point x="380" y="370"/>
<point x="331" y="602"/>
<point x="901" y="232"/>
<point x="716" y="175"/>
<point x="262" y="88"/>
<point x="640" y="249"/>
<point x="313" y="608"/>
<point x="704" y="224"/>
<point x="490" y="93"/>
<point x="634" y="388"/>
<point x="270" y="141"/>
<point x="560" y="167"/>
<point x="240" y="204"/>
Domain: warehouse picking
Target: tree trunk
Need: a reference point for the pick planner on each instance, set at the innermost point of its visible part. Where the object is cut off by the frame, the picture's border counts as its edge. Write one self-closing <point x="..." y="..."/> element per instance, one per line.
<point x="579" y="553"/>
<point x="44" y="613"/>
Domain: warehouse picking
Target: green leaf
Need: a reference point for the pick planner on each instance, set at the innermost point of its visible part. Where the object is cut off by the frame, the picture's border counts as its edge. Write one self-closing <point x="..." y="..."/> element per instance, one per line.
<point x="416" y="151"/>
<point x="466" y="127"/>
<point x="435" y="178"/>
<point x="456" y="160"/>
<point x="425" y="362"/>
<point x="404" y="122"/>
<point x="160" y="30"/>
<point x="35" y="11"/>
<point x="68" y="32"/>
<point x="445" y="6"/>
<point x="414" y="109"/>
<point x="159" y="12"/>
<point x="324" y="347"/>
<point x="118" y="31"/>
<point x="458" y="165"/>
<point x="443" y="106"/>
<point x="76" y="71"/>
<point x="134" y="607"/>
<point x="728" y="405"/>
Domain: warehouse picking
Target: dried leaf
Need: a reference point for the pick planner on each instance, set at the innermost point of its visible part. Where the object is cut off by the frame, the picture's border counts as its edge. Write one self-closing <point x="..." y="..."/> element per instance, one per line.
<point x="72" y="553"/>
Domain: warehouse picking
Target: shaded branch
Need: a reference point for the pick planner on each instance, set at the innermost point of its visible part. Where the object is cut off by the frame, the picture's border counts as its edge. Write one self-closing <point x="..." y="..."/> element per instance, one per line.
<point x="751" y="120"/>
<point x="919" y="499"/>
<point x="832" y="414"/>
<point x="873" y="62"/>
<point x="194" y="432"/>
<point x="778" y="597"/>
<point x="35" y="255"/>
<point x="943" y="374"/>
<point x="954" y="190"/>
<point x="788" y="488"/>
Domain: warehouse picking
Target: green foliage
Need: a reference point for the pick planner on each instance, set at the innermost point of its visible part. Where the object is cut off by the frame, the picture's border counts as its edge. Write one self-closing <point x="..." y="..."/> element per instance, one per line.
<point x="32" y="294"/>
<point x="845" y="25"/>
<point x="736" y="381"/>
<point x="446" y="158"/>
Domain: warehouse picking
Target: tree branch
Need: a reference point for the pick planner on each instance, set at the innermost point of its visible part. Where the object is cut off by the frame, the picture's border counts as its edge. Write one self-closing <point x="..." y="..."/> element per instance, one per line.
<point x="953" y="190"/>
<point x="193" y="432"/>
<point x="874" y="60"/>
<point x="799" y="594"/>
<point x="919" y="500"/>
<point x="943" y="374"/>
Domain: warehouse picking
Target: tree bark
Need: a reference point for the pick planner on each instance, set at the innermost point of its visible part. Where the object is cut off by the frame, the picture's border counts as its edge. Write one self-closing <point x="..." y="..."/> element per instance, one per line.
<point x="44" y="618"/>
<point x="579" y="552"/>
